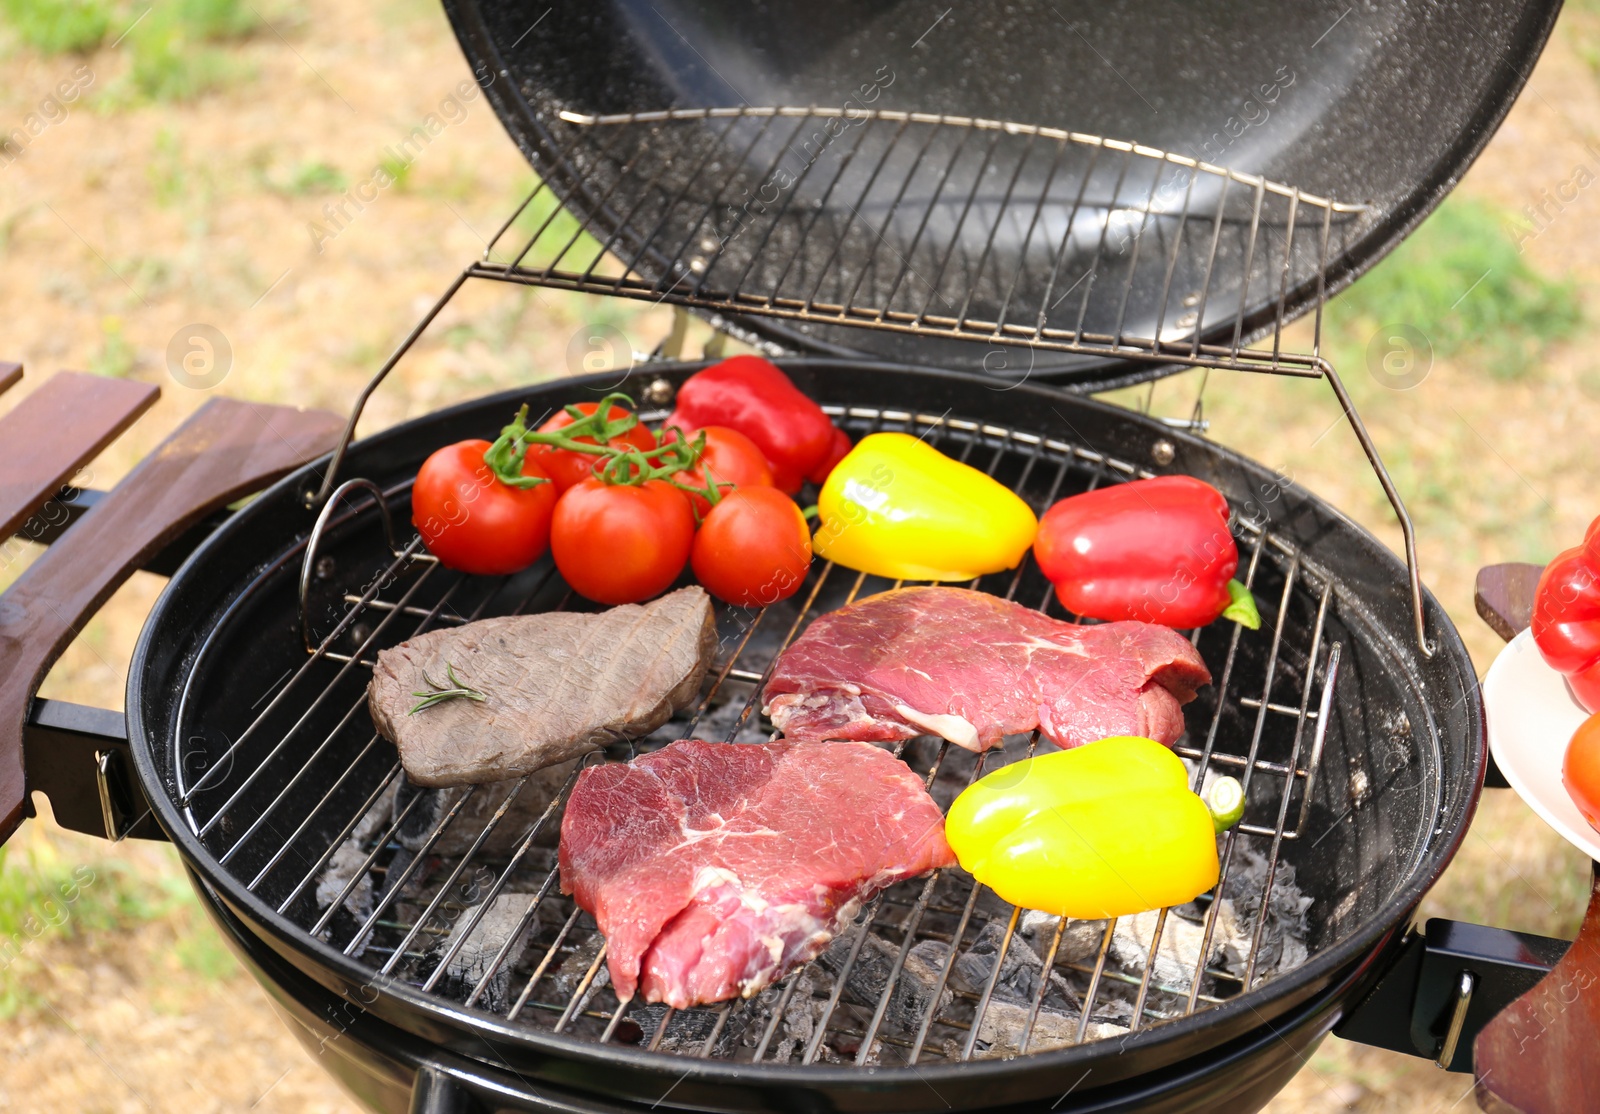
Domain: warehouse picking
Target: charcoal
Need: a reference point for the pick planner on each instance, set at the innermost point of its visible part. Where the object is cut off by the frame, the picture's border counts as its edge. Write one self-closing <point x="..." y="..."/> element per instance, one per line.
<point x="748" y="1022"/>
<point x="343" y="866"/>
<point x="473" y="958"/>
<point x="1001" y="1028"/>
<point x="722" y="722"/>
<point x="687" y="1031"/>
<point x="423" y="816"/>
<point x="543" y="786"/>
<point x="1020" y="972"/>
<point x="913" y="988"/>
<point x="563" y="982"/>
<point x="800" y="1017"/>
<point x="1080" y="940"/>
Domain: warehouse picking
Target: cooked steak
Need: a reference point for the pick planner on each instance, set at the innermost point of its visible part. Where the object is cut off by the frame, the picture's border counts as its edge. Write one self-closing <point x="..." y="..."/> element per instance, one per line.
<point x="714" y="868"/>
<point x="554" y="686"/>
<point x="972" y="667"/>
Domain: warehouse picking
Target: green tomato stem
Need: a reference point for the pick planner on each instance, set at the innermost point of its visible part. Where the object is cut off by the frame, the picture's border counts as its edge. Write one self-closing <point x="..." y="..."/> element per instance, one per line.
<point x="622" y="466"/>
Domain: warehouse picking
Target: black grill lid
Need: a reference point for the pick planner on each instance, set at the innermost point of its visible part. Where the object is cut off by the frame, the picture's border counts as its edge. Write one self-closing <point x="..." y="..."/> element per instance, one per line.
<point x="1379" y="106"/>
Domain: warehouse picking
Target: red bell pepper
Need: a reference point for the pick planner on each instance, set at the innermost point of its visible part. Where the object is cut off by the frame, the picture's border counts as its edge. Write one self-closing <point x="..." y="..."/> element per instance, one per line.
<point x="837" y="451"/>
<point x="750" y="395"/>
<point x="1566" y="617"/>
<point x="1154" y="550"/>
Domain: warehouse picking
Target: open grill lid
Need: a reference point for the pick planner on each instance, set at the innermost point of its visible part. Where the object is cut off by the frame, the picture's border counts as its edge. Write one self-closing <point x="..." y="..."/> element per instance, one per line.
<point x="956" y="235"/>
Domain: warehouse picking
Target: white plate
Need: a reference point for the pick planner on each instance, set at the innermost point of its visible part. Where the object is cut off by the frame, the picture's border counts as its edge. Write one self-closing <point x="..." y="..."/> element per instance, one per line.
<point x="1531" y="716"/>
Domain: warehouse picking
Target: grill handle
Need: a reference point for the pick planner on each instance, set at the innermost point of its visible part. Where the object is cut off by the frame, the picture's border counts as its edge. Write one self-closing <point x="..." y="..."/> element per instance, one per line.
<point x="225" y="450"/>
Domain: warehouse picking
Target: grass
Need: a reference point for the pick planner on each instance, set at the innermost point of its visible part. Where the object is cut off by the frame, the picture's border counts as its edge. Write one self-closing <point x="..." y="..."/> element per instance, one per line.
<point x="173" y="44"/>
<point x="58" y="26"/>
<point x="561" y="228"/>
<point x="1581" y="19"/>
<point x="115" y="357"/>
<point x="317" y="177"/>
<point x="1461" y="280"/>
<point x="60" y="891"/>
<point x="48" y="897"/>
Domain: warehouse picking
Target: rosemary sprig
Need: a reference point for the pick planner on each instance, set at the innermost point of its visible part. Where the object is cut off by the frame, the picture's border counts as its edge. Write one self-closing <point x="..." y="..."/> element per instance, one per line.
<point x="436" y="693"/>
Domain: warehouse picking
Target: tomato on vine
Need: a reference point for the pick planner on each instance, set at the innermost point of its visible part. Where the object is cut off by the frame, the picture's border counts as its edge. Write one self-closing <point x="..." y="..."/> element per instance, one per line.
<point x="729" y="459"/>
<point x="621" y="542"/>
<point x="474" y="521"/>
<point x="753" y="548"/>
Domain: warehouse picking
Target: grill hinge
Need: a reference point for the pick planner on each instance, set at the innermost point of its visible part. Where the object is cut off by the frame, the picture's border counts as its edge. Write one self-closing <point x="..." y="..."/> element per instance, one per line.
<point x="78" y="756"/>
<point x="1450" y="980"/>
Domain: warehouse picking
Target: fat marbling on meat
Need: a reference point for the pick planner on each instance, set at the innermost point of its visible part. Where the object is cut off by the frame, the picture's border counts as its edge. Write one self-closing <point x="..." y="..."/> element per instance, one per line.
<point x="714" y="868"/>
<point x="972" y="667"/>
<point x="556" y="685"/>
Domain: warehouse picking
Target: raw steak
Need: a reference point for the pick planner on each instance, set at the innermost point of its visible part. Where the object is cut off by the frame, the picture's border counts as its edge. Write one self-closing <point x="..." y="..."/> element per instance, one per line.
<point x="557" y="684"/>
<point x="714" y="868"/>
<point x="972" y="667"/>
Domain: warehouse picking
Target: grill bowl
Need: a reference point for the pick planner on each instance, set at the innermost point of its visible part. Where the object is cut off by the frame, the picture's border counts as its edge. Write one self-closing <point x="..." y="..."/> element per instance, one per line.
<point x="1397" y="779"/>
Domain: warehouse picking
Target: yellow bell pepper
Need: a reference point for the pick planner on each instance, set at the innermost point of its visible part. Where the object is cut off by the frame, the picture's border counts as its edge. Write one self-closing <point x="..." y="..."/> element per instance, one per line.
<point x="898" y="507"/>
<point x="1103" y="830"/>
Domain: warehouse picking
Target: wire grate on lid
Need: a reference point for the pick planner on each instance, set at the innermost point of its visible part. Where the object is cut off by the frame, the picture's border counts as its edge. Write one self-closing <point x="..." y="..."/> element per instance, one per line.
<point x="939" y="226"/>
<point x="456" y="893"/>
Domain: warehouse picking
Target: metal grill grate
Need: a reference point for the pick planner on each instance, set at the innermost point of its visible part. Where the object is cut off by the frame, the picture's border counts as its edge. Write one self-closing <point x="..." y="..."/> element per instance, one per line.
<point x="939" y="226"/>
<point x="934" y="226"/>
<point x="416" y="886"/>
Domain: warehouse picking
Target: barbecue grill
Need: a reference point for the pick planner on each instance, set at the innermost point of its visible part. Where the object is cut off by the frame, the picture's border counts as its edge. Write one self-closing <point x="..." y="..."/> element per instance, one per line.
<point x="940" y="273"/>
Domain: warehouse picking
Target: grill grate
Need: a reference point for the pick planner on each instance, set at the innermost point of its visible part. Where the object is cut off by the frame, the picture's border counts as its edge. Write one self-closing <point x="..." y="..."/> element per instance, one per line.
<point x="939" y="226"/>
<point x="415" y="889"/>
<point x="1006" y="234"/>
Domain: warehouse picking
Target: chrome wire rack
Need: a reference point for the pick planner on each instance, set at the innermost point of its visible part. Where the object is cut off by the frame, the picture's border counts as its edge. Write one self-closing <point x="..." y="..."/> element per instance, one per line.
<point x="940" y="226"/>
<point x="403" y="881"/>
<point x="943" y="227"/>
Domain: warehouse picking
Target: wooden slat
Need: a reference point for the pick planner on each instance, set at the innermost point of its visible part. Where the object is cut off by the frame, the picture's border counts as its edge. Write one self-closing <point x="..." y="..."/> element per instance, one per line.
<point x="226" y="450"/>
<point x="10" y="375"/>
<point x="57" y="430"/>
<point x="1537" y="1056"/>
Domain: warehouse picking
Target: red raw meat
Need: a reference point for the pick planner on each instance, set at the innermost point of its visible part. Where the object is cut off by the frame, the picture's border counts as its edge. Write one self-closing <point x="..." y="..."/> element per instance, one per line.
<point x="972" y="667"/>
<point x="715" y="868"/>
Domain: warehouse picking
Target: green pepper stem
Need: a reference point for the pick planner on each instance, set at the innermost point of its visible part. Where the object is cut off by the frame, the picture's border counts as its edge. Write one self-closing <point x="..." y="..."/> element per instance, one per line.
<point x="1242" y="607"/>
<point x="1224" y="799"/>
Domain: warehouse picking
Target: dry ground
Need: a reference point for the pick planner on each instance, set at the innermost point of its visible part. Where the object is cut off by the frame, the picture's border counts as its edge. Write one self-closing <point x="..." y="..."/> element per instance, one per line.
<point x="122" y="224"/>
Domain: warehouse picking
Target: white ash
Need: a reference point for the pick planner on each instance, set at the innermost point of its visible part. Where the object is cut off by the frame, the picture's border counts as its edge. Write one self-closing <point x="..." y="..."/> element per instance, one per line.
<point x="687" y="1030"/>
<point x="800" y="1017"/>
<point x="1284" y="940"/>
<point x="1000" y="1030"/>
<point x="348" y="860"/>
<point x="1178" y="954"/>
<point x="500" y="924"/>
<point x="337" y="875"/>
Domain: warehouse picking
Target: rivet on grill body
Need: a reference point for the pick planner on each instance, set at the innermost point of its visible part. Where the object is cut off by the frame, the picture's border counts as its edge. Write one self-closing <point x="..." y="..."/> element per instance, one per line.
<point x="1163" y="452"/>
<point x="659" y="392"/>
